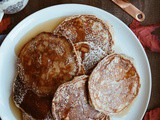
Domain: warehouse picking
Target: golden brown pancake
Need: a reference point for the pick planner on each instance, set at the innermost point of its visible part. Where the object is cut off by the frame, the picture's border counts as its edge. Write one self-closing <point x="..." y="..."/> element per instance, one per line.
<point x="32" y="105"/>
<point x="47" y="61"/>
<point x="113" y="84"/>
<point x="90" y="36"/>
<point x="70" y="102"/>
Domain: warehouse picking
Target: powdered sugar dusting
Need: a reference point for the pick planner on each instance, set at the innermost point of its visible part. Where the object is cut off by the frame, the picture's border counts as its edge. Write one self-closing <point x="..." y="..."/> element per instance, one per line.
<point x="87" y="28"/>
<point x="19" y="90"/>
<point x="113" y="84"/>
<point x="70" y="102"/>
<point x="92" y="57"/>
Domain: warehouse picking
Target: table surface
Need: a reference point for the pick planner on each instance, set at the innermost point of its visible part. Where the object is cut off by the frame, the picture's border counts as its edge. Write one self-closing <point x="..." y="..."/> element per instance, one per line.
<point x="151" y="8"/>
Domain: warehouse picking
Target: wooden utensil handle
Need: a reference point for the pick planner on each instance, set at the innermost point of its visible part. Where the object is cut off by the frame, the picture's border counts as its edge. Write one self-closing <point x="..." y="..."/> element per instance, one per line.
<point x="130" y="9"/>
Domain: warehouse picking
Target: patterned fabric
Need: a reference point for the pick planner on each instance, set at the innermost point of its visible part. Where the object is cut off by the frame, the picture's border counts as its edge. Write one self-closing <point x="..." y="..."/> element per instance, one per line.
<point x="2" y="1"/>
<point x="1" y="40"/>
<point x="14" y="8"/>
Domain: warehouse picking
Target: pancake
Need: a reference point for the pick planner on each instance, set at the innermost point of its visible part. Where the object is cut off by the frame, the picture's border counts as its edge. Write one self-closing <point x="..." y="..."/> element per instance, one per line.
<point x="70" y="102"/>
<point x="91" y="57"/>
<point x="90" y="29"/>
<point x="47" y="61"/>
<point x="113" y="84"/>
<point x="32" y="106"/>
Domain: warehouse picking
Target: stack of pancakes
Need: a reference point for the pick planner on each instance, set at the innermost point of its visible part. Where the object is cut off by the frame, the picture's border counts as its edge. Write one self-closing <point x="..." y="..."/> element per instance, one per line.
<point x="73" y="74"/>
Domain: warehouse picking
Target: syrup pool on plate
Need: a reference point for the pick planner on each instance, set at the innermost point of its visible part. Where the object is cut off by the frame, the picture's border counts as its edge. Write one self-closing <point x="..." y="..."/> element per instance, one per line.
<point x="47" y="26"/>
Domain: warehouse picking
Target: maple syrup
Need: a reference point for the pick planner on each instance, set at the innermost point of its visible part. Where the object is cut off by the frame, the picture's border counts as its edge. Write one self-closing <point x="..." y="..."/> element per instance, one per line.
<point x="48" y="26"/>
<point x="16" y="111"/>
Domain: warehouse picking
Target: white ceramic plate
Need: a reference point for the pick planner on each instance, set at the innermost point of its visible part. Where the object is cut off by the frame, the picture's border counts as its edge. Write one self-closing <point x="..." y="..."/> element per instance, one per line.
<point x="123" y="36"/>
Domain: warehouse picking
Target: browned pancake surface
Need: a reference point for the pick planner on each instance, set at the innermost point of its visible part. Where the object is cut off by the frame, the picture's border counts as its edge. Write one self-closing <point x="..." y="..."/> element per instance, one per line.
<point x="70" y="102"/>
<point x="87" y="28"/>
<point x="33" y="106"/>
<point x="113" y="84"/>
<point x="47" y="61"/>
